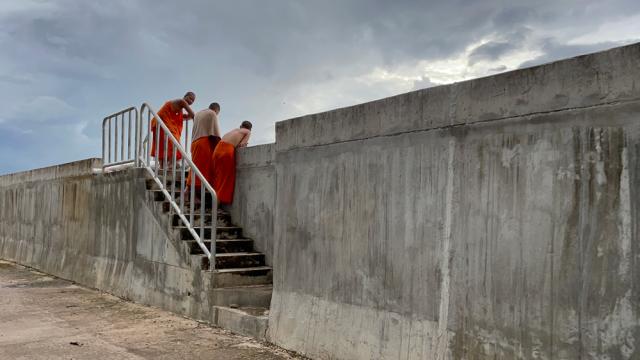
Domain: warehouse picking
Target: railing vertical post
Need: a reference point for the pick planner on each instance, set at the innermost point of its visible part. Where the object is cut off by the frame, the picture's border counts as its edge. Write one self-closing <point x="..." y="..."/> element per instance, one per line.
<point x="109" y="139"/>
<point x="202" y="206"/>
<point x="214" y="231"/>
<point x="121" y="137"/>
<point x="149" y="136"/>
<point x="129" y="136"/>
<point x="138" y="144"/>
<point x="187" y="148"/>
<point x="165" y="163"/>
<point x="104" y="143"/>
<point x="183" y="185"/>
<point x="173" y="174"/>
<point x="115" y="139"/>
<point x="192" y="206"/>
<point x="157" y="146"/>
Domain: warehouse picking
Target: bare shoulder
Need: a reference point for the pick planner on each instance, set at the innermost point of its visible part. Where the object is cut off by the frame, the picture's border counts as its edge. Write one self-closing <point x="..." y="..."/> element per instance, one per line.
<point x="181" y="103"/>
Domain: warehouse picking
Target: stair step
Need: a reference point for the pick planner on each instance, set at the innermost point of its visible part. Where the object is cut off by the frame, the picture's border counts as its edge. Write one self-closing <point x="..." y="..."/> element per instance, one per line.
<point x="247" y="321"/>
<point x="223" y="232"/>
<point x="244" y="271"/>
<point x="258" y="275"/>
<point x="152" y="185"/>
<point x="241" y="263"/>
<point x="239" y="260"/>
<point x="243" y="296"/>
<point x="158" y="195"/>
<point x="224" y="220"/>
<point x="166" y="206"/>
<point x="249" y="261"/>
<point x="223" y="246"/>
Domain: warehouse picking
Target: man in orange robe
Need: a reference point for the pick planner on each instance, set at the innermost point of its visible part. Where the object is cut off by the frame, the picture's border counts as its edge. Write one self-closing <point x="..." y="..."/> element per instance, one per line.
<point x="224" y="162"/>
<point x="205" y="136"/>
<point x="173" y="117"/>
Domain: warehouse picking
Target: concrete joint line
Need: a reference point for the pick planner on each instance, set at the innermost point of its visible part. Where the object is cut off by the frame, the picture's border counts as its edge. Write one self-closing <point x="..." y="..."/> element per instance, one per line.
<point x="443" y="314"/>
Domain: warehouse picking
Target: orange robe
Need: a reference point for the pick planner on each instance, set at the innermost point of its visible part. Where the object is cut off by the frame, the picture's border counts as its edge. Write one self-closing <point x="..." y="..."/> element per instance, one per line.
<point x="202" y="156"/>
<point x="173" y="121"/>
<point x="224" y="171"/>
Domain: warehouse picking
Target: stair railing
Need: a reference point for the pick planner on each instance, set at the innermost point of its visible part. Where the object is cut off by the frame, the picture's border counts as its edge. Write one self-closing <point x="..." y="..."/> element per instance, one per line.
<point x="158" y="169"/>
<point x="115" y="150"/>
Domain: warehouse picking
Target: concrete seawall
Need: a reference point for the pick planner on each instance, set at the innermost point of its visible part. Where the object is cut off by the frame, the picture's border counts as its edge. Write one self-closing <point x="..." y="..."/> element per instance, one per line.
<point x="102" y="231"/>
<point x="495" y="218"/>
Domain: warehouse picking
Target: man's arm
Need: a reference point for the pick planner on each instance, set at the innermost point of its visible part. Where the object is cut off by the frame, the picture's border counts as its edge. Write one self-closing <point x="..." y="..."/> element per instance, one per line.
<point x="184" y="105"/>
<point x="245" y="139"/>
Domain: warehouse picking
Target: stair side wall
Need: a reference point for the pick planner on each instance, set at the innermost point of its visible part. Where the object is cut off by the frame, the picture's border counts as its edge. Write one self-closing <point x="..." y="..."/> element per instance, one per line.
<point x="102" y="231"/>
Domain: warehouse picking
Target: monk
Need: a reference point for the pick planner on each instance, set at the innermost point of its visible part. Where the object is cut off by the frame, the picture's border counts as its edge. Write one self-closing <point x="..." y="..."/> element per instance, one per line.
<point x="205" y="136"/>
<point x="173" y="117"/>
<point x="224" y="162"/>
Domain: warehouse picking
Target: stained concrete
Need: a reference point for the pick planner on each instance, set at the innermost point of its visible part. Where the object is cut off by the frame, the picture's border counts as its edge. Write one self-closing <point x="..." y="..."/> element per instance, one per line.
<point x="254" y="198"/>
<point x="44" y="317"/>
<point x="490" y="219"/>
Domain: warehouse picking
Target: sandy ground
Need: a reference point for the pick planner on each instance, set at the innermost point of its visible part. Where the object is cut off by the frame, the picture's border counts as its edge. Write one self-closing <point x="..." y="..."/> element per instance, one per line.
<point x="43" y="317"/>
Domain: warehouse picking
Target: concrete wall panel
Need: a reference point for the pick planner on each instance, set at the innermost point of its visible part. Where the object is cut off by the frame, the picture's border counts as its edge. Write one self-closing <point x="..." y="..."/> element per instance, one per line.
<point x="494" y="218"/>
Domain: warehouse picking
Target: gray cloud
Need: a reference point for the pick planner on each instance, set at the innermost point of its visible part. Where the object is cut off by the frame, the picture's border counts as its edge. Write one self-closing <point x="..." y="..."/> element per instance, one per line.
<point x="423" y="83"/>
<point x="262" y="62"/>
<point x="554" y="50"/>
<point x="493" y="50"/>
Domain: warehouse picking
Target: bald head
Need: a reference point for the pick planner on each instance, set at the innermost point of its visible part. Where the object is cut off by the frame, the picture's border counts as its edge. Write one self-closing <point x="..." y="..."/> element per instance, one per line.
<point x="189" y="97"/>
<point x="246" y="125"/>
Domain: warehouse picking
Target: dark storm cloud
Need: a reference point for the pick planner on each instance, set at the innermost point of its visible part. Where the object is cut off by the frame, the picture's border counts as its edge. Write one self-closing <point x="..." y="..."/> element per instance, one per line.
<point x="263" y="61"/>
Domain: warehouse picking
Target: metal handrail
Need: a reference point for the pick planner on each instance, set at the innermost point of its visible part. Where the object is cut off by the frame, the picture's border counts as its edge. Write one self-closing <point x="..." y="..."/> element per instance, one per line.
<point x="178" y="205"/>
<point x="108" y="150"/>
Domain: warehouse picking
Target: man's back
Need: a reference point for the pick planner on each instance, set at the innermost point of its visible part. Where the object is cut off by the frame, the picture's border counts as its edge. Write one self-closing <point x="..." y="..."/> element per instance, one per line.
<point x="237" y="137"/>
<point x="205" y="123"/>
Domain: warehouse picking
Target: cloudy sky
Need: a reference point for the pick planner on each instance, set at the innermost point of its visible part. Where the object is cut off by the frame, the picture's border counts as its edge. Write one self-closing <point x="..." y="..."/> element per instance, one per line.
<point x="65" y="64"/>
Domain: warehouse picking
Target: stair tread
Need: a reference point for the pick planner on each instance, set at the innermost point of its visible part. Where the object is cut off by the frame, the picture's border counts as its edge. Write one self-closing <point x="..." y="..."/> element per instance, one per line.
<point x="255" y="268"/>
<point x="209" y="226"/>
<point x="238" y="254"/>
<point x="220" y="240"/>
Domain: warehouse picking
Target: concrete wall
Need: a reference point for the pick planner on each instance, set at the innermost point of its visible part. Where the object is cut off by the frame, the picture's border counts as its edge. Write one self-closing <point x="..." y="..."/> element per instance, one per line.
<point x="100" y="230"/>
<point x="254" y="198"/>
<point x="494" y="218"/>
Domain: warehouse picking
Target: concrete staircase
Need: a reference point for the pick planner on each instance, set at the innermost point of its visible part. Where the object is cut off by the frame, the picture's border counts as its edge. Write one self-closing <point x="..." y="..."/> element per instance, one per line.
<point x="242" y="280"/>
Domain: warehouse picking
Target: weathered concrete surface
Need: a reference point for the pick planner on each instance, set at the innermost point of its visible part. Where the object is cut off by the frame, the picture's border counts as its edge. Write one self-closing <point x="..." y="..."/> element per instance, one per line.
<point x="252" y="321"/>
<point x="43" y="317"/>
<point x="254" y="198"/>
<point x="490" y="219"/>
<point x="103" y="231"/>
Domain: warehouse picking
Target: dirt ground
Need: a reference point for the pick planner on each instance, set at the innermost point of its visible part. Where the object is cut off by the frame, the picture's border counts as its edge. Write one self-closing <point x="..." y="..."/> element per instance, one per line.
<point x="43" y="317"/>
